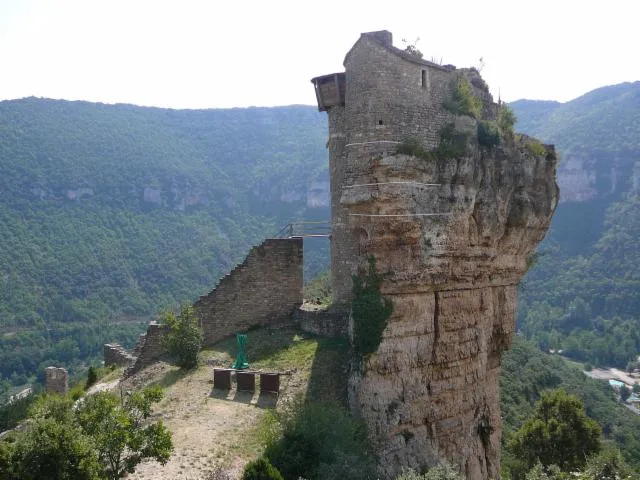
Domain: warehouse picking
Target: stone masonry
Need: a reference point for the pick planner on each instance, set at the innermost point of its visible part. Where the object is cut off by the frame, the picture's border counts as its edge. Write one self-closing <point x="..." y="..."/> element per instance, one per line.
<point x="116" y="354"/>
<point x="265" y="289"/>
<point x="323" y="323"/>
<point x="451" y="237"/>
<point x="148" y="349"/>
<point x="56" y="380"/>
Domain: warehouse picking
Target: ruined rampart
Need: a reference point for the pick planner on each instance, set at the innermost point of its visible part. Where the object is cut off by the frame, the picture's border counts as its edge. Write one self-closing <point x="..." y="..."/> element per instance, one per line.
<point x="56" y="380"/>
<point x="116" y="355"/>
<point x="265" y="289"/>
<point x="148" y="349"/>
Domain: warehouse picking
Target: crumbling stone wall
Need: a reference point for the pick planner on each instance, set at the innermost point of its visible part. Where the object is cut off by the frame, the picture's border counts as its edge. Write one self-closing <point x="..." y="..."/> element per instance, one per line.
<point x="266" y="288"/>
<point x="323" y="323"/>
<point x="149" y="348"/>
<point x="56" y="380"/>
<point x="116" y="354"/>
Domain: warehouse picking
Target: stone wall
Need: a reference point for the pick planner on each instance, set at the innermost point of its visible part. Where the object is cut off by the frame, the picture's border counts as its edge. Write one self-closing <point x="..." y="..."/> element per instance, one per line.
<point x="116" y="354"/>
<point x="56" y="380"/>
<point x="324" y="323"/>
<point x="149" y="348"/>
<point x="265" y="289"/>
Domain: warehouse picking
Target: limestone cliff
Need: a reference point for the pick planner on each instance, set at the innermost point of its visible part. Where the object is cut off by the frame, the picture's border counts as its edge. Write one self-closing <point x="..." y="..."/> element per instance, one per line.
<point x="452" y="227"/>
<point x="431" y="390"/>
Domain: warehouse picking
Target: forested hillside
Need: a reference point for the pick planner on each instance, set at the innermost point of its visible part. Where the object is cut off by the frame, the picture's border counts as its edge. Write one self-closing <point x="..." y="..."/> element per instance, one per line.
<point x="584" y="294"/>
<point x="109" y="213"/>
<point x="527" y="372"/>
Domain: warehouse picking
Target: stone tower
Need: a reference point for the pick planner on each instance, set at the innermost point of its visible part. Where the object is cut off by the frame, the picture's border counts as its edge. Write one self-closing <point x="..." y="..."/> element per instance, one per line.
<point x="451" y="230"/>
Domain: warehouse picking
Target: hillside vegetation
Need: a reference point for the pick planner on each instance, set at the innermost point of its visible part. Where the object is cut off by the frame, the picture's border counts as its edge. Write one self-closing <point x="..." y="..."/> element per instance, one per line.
<point x="110" y="213"/>
<point x="583" y="296"/>
<point x="527" y="372"/>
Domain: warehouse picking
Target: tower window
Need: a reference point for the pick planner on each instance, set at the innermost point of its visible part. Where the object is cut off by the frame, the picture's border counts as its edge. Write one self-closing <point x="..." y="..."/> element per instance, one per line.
<point x="380" y="122"/>
<point x="424" y="78"/>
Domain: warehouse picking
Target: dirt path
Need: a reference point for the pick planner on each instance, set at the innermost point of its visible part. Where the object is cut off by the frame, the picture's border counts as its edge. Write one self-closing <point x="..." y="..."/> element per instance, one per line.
<point x="209" y="428"/>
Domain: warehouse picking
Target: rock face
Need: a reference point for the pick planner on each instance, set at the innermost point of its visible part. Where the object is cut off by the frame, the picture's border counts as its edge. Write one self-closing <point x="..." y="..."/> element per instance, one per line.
<point x="451" y="233"/>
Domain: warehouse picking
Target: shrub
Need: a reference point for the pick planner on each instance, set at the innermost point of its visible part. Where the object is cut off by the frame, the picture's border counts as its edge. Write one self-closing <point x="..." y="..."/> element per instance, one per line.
<point x="506" y="119"/>
<point x="320" y="442"/>
<point x="184" y="338"/>
<point x="452" y="144"/>
<point x="370" y="311"/>
<point x="92" y="377"/>
<point x="441" y="472"/>
<point x="463" y="101"/>
<point x="488" y="133"/>
<point x="536" y="148"/>
<point x="261" y="469"/>
<point x="412" y="146"/>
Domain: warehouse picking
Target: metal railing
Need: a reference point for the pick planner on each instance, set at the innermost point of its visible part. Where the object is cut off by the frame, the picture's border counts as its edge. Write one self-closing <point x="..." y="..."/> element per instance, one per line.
<point x="305" y="229"/>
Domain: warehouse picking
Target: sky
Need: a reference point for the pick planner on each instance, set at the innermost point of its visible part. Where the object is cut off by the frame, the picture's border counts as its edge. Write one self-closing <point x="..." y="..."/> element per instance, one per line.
<point x="239" y="53"/>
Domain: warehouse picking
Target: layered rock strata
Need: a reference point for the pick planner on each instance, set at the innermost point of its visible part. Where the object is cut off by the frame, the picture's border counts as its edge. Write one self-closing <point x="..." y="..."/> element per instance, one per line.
<point x="431" y="390"/>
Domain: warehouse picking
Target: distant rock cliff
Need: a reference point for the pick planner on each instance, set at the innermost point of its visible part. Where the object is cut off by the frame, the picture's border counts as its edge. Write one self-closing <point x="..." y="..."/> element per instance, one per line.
<point x="452" y="226"/>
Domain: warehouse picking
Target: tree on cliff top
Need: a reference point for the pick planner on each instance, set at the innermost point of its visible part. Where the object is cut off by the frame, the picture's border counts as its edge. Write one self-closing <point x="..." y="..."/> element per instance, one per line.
<point x="558" y="433"/>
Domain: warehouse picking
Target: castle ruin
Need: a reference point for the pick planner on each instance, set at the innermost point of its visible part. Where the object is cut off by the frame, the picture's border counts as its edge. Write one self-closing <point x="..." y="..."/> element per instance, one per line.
<point x="451" y="234"/>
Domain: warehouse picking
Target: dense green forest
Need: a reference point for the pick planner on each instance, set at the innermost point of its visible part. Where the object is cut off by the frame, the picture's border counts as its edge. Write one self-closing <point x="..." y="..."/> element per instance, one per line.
<point x="583" y="296"/>
<point x="110" y="213"/>
<point x="527" y="372"/>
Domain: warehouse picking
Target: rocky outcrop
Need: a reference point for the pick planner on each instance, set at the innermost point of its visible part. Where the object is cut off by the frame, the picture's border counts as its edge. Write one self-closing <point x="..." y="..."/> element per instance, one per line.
<point x="431" y="390"/>
<point x="452" y="225"/>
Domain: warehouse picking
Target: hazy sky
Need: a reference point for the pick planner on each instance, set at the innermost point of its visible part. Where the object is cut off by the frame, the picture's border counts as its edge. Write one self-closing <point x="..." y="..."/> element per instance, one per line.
<point x="226" y="53"/>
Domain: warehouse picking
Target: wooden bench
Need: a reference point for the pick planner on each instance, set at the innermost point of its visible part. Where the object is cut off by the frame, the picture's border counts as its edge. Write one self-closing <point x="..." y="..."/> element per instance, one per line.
<point x="270" y="382"/>
<point x="246" y="380"/>
<point x="222" y="378"/>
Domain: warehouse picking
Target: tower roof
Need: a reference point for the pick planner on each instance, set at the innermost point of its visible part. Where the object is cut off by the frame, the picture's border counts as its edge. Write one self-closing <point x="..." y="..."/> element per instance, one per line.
<point x="384" y="38"/>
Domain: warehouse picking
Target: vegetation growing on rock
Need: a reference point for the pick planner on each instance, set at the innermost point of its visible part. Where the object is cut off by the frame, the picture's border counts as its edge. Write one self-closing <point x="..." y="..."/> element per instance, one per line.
<point x="370" y="311"/>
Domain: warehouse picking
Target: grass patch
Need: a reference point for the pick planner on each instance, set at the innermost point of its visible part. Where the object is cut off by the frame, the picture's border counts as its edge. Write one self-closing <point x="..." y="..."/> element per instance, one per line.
<point x="536" y="148"/>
